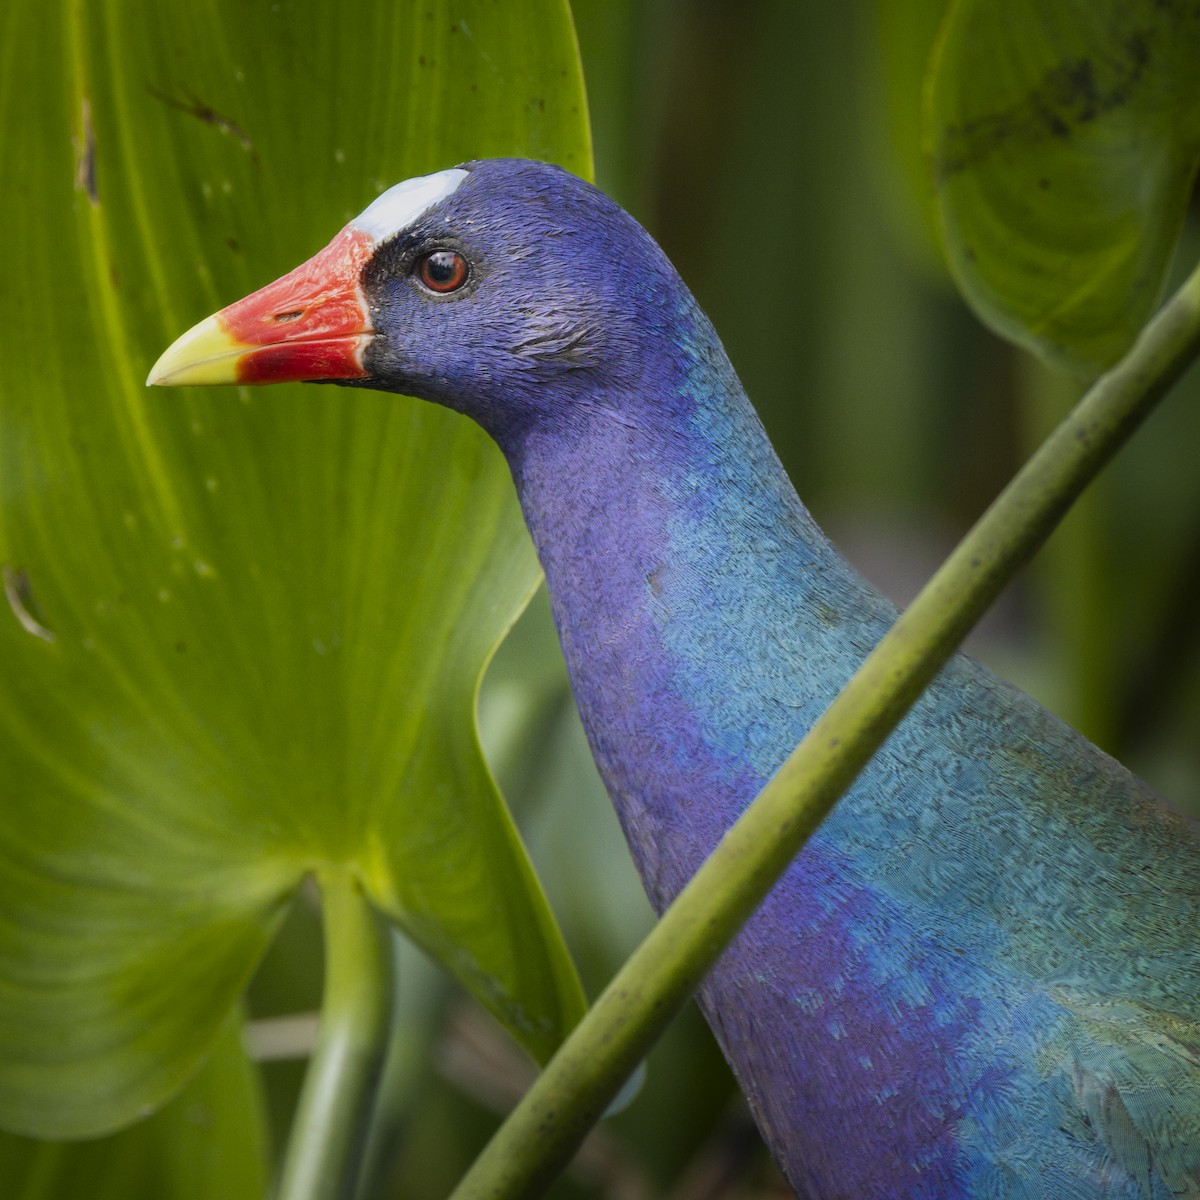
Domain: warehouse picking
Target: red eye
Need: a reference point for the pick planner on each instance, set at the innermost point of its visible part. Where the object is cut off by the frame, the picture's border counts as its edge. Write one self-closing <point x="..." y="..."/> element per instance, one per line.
<point x="442" y="271"/>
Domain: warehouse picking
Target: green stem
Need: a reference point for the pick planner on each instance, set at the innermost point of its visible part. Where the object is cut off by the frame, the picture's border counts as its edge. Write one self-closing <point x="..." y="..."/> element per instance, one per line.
<point x="324" y="1150"/>
<point x="544" y="1130"/>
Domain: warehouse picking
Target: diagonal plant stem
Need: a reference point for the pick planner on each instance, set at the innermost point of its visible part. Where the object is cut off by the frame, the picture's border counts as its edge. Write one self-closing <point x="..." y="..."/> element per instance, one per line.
<point x="325" y="1146"/>
<point x="544" y="1130"/>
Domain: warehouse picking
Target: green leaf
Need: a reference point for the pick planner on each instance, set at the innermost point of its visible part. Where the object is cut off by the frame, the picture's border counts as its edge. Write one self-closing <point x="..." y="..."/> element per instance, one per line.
<point x="245" y="629"/>
<point x="1064" y="138"/>
<point x="208" y="1142"/>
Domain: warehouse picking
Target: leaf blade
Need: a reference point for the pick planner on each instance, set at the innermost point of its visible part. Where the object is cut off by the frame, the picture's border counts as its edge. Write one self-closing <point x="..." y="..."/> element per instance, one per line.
<point x="1064" y="140"/>
<point x="253" y="607"/>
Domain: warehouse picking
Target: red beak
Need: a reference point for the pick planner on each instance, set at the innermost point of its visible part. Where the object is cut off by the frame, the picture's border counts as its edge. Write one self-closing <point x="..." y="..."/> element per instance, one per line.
<point x="314" y="323"/>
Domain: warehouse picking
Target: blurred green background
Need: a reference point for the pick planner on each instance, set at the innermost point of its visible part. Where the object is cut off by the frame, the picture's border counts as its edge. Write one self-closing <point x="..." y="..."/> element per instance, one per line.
<point x="773" y="149"/>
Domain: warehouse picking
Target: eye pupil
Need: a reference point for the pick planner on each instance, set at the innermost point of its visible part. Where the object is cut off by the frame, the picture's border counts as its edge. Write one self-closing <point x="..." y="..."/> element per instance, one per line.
<point x="443" y="270"/>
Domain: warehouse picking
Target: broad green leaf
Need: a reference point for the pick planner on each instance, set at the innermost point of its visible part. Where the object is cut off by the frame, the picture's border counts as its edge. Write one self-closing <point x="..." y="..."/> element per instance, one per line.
<point x="243" y="630"/>
<point x="1064" y="139"/>
<point x="208" y="1143"/>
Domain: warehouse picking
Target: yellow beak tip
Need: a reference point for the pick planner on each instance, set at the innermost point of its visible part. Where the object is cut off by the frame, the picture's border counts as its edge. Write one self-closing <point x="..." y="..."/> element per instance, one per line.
<point x="205" y="355"/>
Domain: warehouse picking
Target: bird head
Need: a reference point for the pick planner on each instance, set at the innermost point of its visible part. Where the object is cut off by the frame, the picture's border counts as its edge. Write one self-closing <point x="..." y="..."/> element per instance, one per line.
<point x="474" y="287"/>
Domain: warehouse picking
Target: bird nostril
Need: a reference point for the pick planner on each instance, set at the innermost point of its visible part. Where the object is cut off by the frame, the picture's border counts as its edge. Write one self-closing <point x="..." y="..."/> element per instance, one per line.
<point x="294" y="315"/>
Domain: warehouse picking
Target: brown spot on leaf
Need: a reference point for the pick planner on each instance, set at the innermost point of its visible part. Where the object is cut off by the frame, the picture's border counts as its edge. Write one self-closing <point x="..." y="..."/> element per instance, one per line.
<point x="85" y="162"/>
<point x="19" y="595"/>
<point x="195" y="107"/>
<point x="1072" y="94"/>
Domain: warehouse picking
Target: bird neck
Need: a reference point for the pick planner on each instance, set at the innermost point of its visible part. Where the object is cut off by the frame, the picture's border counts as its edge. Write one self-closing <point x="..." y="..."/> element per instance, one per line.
<point x="696" y="600"/>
